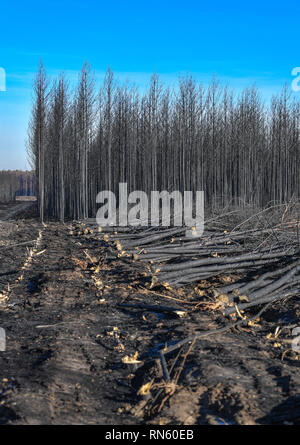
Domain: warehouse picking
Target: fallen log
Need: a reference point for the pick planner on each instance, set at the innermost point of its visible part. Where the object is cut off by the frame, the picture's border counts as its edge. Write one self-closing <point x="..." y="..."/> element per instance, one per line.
<point x="208" y="261"/>
<point x="262" y="300"/>
<point x="264" y="279"/>
<point x="275" y="284"/>
<point x="212" y="268"/>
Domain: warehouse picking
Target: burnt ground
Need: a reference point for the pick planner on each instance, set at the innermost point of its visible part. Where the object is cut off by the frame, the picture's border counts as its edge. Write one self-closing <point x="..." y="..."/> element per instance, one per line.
<point x="61" y="287"/>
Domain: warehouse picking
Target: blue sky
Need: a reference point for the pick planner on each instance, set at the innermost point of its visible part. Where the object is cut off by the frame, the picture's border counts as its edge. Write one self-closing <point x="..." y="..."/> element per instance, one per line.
<point x="242" y="44"/>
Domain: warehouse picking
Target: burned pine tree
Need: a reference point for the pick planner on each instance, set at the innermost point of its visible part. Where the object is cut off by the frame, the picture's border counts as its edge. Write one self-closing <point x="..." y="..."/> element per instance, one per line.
<point x="56" y="148"/>
<point x="84" y="102"/>
<point x="37" y="135"/>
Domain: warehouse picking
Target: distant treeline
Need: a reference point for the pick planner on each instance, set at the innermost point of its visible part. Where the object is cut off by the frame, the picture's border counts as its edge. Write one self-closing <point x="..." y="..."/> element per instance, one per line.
<point x="16" y="183"/>
<point x="234" y="147"/>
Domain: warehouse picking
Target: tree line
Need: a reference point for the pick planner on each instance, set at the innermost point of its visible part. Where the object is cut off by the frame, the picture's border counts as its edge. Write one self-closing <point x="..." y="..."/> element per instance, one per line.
<point x="16" y="183"/>
<point x="235" y="147"/>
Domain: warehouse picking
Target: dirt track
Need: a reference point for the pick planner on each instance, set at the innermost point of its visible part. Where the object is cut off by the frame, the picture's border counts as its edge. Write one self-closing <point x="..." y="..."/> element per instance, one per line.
<point x="67" y="336"/>
<point x="9" y="210"/>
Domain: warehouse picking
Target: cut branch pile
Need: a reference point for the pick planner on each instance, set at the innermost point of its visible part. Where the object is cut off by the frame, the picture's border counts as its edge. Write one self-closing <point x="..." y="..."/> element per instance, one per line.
<point x="260" y="260"/>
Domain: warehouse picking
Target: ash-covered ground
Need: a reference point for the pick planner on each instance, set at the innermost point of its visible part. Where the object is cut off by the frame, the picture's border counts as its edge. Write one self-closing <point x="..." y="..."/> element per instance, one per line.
<point x="75" y="354"/>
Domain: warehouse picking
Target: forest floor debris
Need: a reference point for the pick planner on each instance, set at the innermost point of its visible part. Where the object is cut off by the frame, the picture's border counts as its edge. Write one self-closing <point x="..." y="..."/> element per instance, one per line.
<point x="93" y="339"/>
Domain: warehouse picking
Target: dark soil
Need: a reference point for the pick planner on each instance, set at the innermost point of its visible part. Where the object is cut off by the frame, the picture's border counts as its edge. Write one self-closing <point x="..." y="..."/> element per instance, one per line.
<point x="67" y="337"/>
